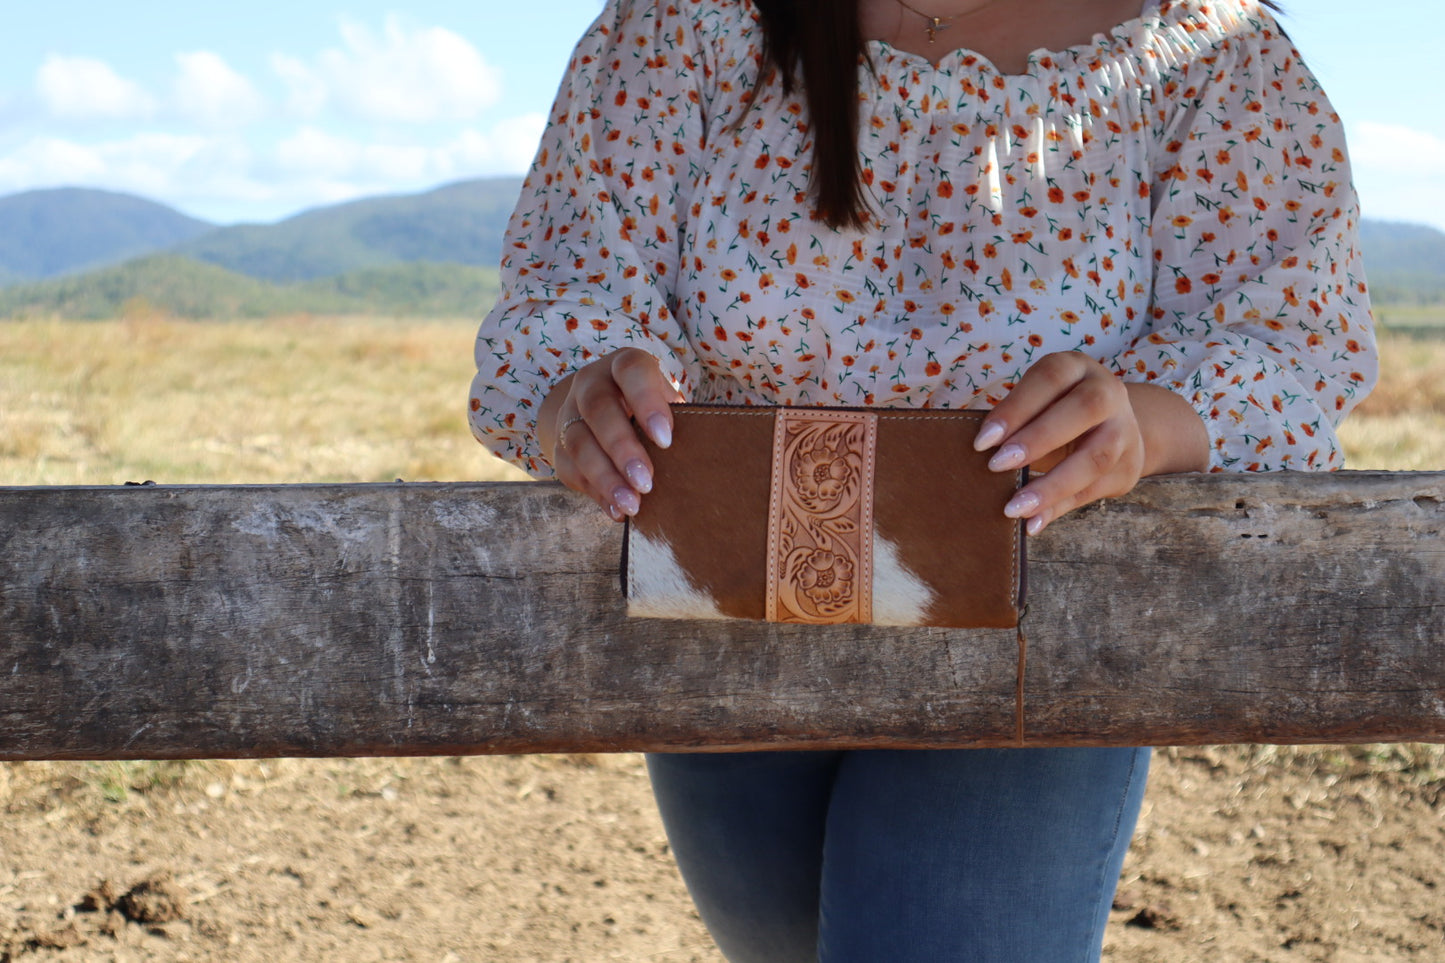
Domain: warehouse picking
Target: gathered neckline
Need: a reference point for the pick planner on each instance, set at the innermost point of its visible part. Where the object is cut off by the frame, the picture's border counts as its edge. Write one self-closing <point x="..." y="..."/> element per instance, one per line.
<point x="1119" y="37"/>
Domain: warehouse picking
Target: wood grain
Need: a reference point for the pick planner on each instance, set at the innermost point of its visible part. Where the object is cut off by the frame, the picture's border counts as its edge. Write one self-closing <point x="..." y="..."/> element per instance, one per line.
<point x="306" y="620"/>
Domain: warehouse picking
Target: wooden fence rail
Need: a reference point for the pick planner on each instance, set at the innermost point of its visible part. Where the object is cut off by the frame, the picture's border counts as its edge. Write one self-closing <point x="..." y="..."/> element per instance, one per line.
<point x="409" y="619"/>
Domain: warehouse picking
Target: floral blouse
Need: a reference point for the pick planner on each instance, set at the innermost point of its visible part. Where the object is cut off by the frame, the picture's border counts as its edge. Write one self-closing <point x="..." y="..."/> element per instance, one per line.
<point x="1172" y="199"/>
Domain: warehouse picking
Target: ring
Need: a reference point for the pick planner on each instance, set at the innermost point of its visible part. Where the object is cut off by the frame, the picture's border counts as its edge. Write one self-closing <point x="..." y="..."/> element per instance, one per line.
<point x="562" y="431"/>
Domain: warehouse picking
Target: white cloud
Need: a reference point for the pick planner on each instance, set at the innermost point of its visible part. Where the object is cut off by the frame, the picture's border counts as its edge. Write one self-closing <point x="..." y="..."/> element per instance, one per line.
<point x="210" y="93"/>
<point x="311" y="152"/>
<point x="221" y="176"/>
<point x="404" y="74"/>
<point x="308" y="90"/>
<point x="514" y="141"/>
<point x="1397" y="172"/>
<point x="150" y="164"/>
<point x="315" y="153"/>
<point x="404" y="163"/>
<point x="49" y="161"/>
<point x="506" y="149"/>
<point x="1402" y="149"/>
<point x="81" y="88"/>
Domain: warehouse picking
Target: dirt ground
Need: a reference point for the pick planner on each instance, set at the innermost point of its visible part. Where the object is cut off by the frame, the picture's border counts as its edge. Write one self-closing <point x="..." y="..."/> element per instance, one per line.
<point x="1243" y="854"/>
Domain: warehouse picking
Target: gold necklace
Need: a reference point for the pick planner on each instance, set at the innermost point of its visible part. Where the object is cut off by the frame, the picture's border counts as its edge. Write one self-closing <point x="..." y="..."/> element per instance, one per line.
<point x="934" y="24"/>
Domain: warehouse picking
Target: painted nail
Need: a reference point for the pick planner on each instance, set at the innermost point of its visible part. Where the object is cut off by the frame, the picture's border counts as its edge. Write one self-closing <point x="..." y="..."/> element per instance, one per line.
<point x="1021" y="504"/>
<point x="640" y="477"/>
<point x="660" y="431"/>
<point x="625" y="500"/>
<point x="988" y="437"/>
<point x="614" y="514"/>
<point x="1009" y="456"/>
<point x="1034" y="525"/>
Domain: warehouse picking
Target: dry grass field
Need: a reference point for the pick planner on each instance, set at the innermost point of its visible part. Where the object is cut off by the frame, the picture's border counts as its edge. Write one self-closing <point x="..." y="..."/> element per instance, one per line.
<point x="284" y="400"/>
<point x="1243" y="854"/>
<point x="359" y="400"/>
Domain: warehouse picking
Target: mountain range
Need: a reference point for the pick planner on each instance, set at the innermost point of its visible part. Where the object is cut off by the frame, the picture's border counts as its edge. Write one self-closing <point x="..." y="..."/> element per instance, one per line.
<point x="66" y="229"/>
<point x="81" y="253"/>
<point x="49" y="233"/>
<point x="84" y="253"/>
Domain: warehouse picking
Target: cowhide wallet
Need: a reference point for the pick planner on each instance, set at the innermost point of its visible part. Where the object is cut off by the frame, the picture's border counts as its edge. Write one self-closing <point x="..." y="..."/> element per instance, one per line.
<point x="826" y="515"/>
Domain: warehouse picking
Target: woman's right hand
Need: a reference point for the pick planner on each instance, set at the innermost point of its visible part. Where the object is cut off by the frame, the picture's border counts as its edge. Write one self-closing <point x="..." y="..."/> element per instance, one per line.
<point x="585" y="427"/>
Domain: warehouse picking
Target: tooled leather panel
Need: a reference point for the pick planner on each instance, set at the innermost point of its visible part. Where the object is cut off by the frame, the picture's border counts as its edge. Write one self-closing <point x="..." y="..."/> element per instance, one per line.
<point x="820" y="518"/>
<point x="714" y="516"/>
<point x="947" y="522"/>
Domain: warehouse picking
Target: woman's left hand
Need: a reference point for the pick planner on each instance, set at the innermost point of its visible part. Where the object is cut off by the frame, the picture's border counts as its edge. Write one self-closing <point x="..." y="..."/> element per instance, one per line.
<point x="1090" y="434"/>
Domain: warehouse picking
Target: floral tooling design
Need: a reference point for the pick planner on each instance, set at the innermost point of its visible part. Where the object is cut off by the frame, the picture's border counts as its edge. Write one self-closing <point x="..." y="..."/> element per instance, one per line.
<point x="820" y="562"/>
<point x="824" y="577"/>
<point x="824" y="476"/>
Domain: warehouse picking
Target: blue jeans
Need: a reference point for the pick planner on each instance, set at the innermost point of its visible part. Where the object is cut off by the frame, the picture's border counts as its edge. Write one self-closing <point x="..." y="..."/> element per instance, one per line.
<point x="881" y="856"/>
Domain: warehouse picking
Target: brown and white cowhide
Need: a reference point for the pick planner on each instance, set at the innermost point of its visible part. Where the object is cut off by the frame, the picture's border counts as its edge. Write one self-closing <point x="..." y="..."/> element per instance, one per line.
<point x="826" y="515"/>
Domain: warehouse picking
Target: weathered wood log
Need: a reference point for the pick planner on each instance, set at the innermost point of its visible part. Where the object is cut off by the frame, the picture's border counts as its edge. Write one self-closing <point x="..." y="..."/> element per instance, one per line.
<point x="175" y="622"/>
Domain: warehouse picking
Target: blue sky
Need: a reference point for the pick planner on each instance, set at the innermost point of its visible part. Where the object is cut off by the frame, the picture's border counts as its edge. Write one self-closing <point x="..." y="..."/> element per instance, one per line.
<point x="254" y="111"/>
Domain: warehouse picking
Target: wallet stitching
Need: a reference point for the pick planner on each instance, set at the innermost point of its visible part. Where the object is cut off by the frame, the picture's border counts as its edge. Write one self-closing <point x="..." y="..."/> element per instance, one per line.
<point x="767" y="412"/>
<point x="775" y="511"/>
<point x="631" y="562"/>
<point x="1015" y="582"/>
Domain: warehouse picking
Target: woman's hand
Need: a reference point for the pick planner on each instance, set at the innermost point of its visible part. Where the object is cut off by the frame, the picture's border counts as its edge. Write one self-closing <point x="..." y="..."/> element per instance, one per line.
<point x="1092" y="435"/>
<point x="585" y="427"/>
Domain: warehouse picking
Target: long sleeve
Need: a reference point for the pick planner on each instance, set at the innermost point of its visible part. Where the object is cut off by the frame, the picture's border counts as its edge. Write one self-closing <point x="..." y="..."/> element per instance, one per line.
<point x="592" y="249"/>
<point x="1260" y="314"/>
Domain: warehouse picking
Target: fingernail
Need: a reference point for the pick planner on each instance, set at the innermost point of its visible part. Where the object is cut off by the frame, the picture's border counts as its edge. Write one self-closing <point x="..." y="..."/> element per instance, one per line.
<point x="626" y="500"/>
<point x="1021" y="504"/>
<point x="1034" y="525"/>
<point x="988" y="436"/>
<point x="660" y="431"/>
<point x="614" y="514"/>
<point x="640" y="477"/>
<point x="1009" y="456"/>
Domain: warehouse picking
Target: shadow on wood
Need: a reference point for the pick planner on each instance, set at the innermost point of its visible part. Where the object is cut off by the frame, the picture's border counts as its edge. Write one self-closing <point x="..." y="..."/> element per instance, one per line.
<point x="410" y="619"/>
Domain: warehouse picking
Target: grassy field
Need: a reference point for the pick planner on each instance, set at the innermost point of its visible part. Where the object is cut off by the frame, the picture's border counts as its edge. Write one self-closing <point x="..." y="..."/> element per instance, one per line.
<point x="1401" y="425"/>
<point x="1420" y="320"/>
<point x="363" y="400"/>
<point x="284" y="400"/>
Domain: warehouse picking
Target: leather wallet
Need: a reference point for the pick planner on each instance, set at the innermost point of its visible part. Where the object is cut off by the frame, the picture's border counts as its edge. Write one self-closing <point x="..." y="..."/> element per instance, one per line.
<point x="826" y="515"/>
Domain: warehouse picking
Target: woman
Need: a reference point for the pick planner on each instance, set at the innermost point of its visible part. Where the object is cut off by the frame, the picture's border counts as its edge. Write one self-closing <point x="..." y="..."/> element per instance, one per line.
<point x="1129" y="233"/>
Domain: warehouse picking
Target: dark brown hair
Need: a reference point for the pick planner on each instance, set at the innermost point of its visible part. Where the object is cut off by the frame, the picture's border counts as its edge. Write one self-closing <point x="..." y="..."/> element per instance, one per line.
<point x="817" y="44"/>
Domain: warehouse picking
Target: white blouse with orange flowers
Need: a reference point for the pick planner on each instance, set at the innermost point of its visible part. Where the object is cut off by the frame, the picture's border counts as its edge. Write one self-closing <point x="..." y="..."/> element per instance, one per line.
<point x="1173" y="199"/>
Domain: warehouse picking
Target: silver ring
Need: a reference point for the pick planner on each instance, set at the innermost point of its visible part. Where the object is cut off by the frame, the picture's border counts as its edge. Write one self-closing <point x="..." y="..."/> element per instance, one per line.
<point x="562" y="431"/>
